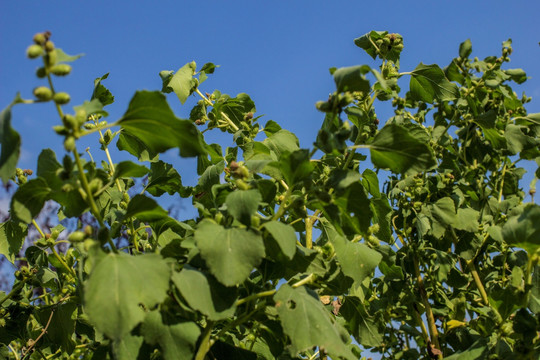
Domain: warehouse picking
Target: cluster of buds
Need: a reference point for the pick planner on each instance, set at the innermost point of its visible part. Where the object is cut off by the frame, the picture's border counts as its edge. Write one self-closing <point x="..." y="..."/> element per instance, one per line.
<point x="391" y="42"/>
<point x="21" y="175"/>
<point x="44" y="47"/>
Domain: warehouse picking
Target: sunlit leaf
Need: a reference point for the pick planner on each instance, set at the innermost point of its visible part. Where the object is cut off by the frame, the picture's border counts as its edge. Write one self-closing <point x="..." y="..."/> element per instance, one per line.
<point x="308" y="323"/>
<point x="231" y="254"/>
<point x="395" y="148"/>
<point x="150" y="119"/>
<point x="118" y="284"/>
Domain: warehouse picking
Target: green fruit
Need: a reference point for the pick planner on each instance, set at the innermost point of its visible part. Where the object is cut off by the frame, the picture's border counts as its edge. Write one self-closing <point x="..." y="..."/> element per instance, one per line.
<point x="69" y="121"/>
<point x="60" y="130"/>
<point x="61" y="98"/>
<point x="40" y="38"/>
<point x="43" y="93"/>
<point x="95" y="185"/>
<point x="60" y="69"/>
<point x="49" y="46"/>
<point x="34" y="51"/>
<point x="255" y="221"/>
<point x="50" y="58"/>
<point x="55" y="234"/>
<point x="41" y="72"/>
<point x="76" y="236"/>
<point x="81" y="116"/>
<point x="69" y="143"/>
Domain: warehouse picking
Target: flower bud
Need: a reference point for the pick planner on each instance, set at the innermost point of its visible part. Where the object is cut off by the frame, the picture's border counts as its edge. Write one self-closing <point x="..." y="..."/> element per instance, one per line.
<point x="61" y="98"/>
<point x="49" y="46"/>
<point x="69" y="121"/>
<point x="40" y="38"/>
<point x="88" y="230"/>
<point x="60" y="130"/>
<point x="60" y="69"/>
<point x="43" y="93"/>
<point x="50" y="58"/>
<point x="34" y="51"/>
<point x="80" y="116"/>
<point x="69" y="143"/>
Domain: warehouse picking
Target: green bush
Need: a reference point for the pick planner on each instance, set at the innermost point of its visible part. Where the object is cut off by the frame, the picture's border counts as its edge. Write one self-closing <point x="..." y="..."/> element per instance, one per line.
<point x="295" y="253"/>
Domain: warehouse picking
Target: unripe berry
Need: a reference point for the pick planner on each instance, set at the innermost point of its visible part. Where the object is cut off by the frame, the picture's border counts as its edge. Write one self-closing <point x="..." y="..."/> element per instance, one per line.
<point x="49" y="46"/>
<point x="69" y="143"/>
<point x="88" y="230"/>
<point x="41" y="72"/>
<point x="55" y="234"/>
<point x="60" y="69"/>
<point x="61" y="98"/>
<point x="255" y="221"/>
<point x="81" y="116"/>
<point x="95" y="185"/>
<point x="76" y="236"/>
<point x="34" y="51"/>
<point x="218" y="217"/>
<point x="43" y="93"/>
<point x="40" y="38"/>
<point x="69" y="121"/>
<point x="50" y="58"/>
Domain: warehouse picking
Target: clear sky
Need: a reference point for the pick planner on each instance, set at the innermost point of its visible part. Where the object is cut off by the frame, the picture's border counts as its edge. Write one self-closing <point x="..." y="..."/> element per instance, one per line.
<point x="279" y="52"/>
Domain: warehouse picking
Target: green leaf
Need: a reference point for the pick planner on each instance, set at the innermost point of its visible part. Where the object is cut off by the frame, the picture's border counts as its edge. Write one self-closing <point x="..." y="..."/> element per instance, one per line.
<point x="395" y="148"/>
<point x="128" y="348"/>
<point x="465" y="49"/>
<point x="523" y="230"/>
<point x="357" y="260"/>
<point x="176" y="338"/>
<point x="163" y="179"/>
<point x="231" y="254"/>
<point x="467" y="219"/>
<point x="62" y="57"/>
<point x="101" y="93"/>
<point x="205" y="294"/>
<point x="295" y="166"/>
<point x="150" y="119"/>
<point x="284" y="235"/>
<point x="182" y="81"/>
<point x="128" y="169"/>
<point x="363" y="326"/>
<point x="92" y="107"/>
<point x="429" y="84"/>
<point x="309" y="324"/>
<point x="145" y="209"/>
<point x="382" y="213"/>
<point x="242" y="204"/>
<point x="116" y="287"/>
<point x="61" y="326"/>
<point x="474" y="352"/>
<point x="29" y="199"/>
<point x="136" y="147"/>
<point x="10" y="141"/>
<point x="280" y="142"/>
<point x="371" y="182"/>
<point x="12" y="235"/>
<point x="352" y="79"/>
<point x="367" y="41"/>
<point x="517" y="141"/>
<point x="444" y="211"/>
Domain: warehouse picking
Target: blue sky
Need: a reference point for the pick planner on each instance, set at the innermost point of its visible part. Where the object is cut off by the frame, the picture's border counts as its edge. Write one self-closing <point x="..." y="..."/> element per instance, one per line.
<point x="278" y="52"/>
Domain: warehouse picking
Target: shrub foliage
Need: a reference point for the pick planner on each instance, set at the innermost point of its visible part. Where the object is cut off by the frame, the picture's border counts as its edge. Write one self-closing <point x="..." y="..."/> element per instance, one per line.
<point x="427" y="251"/>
